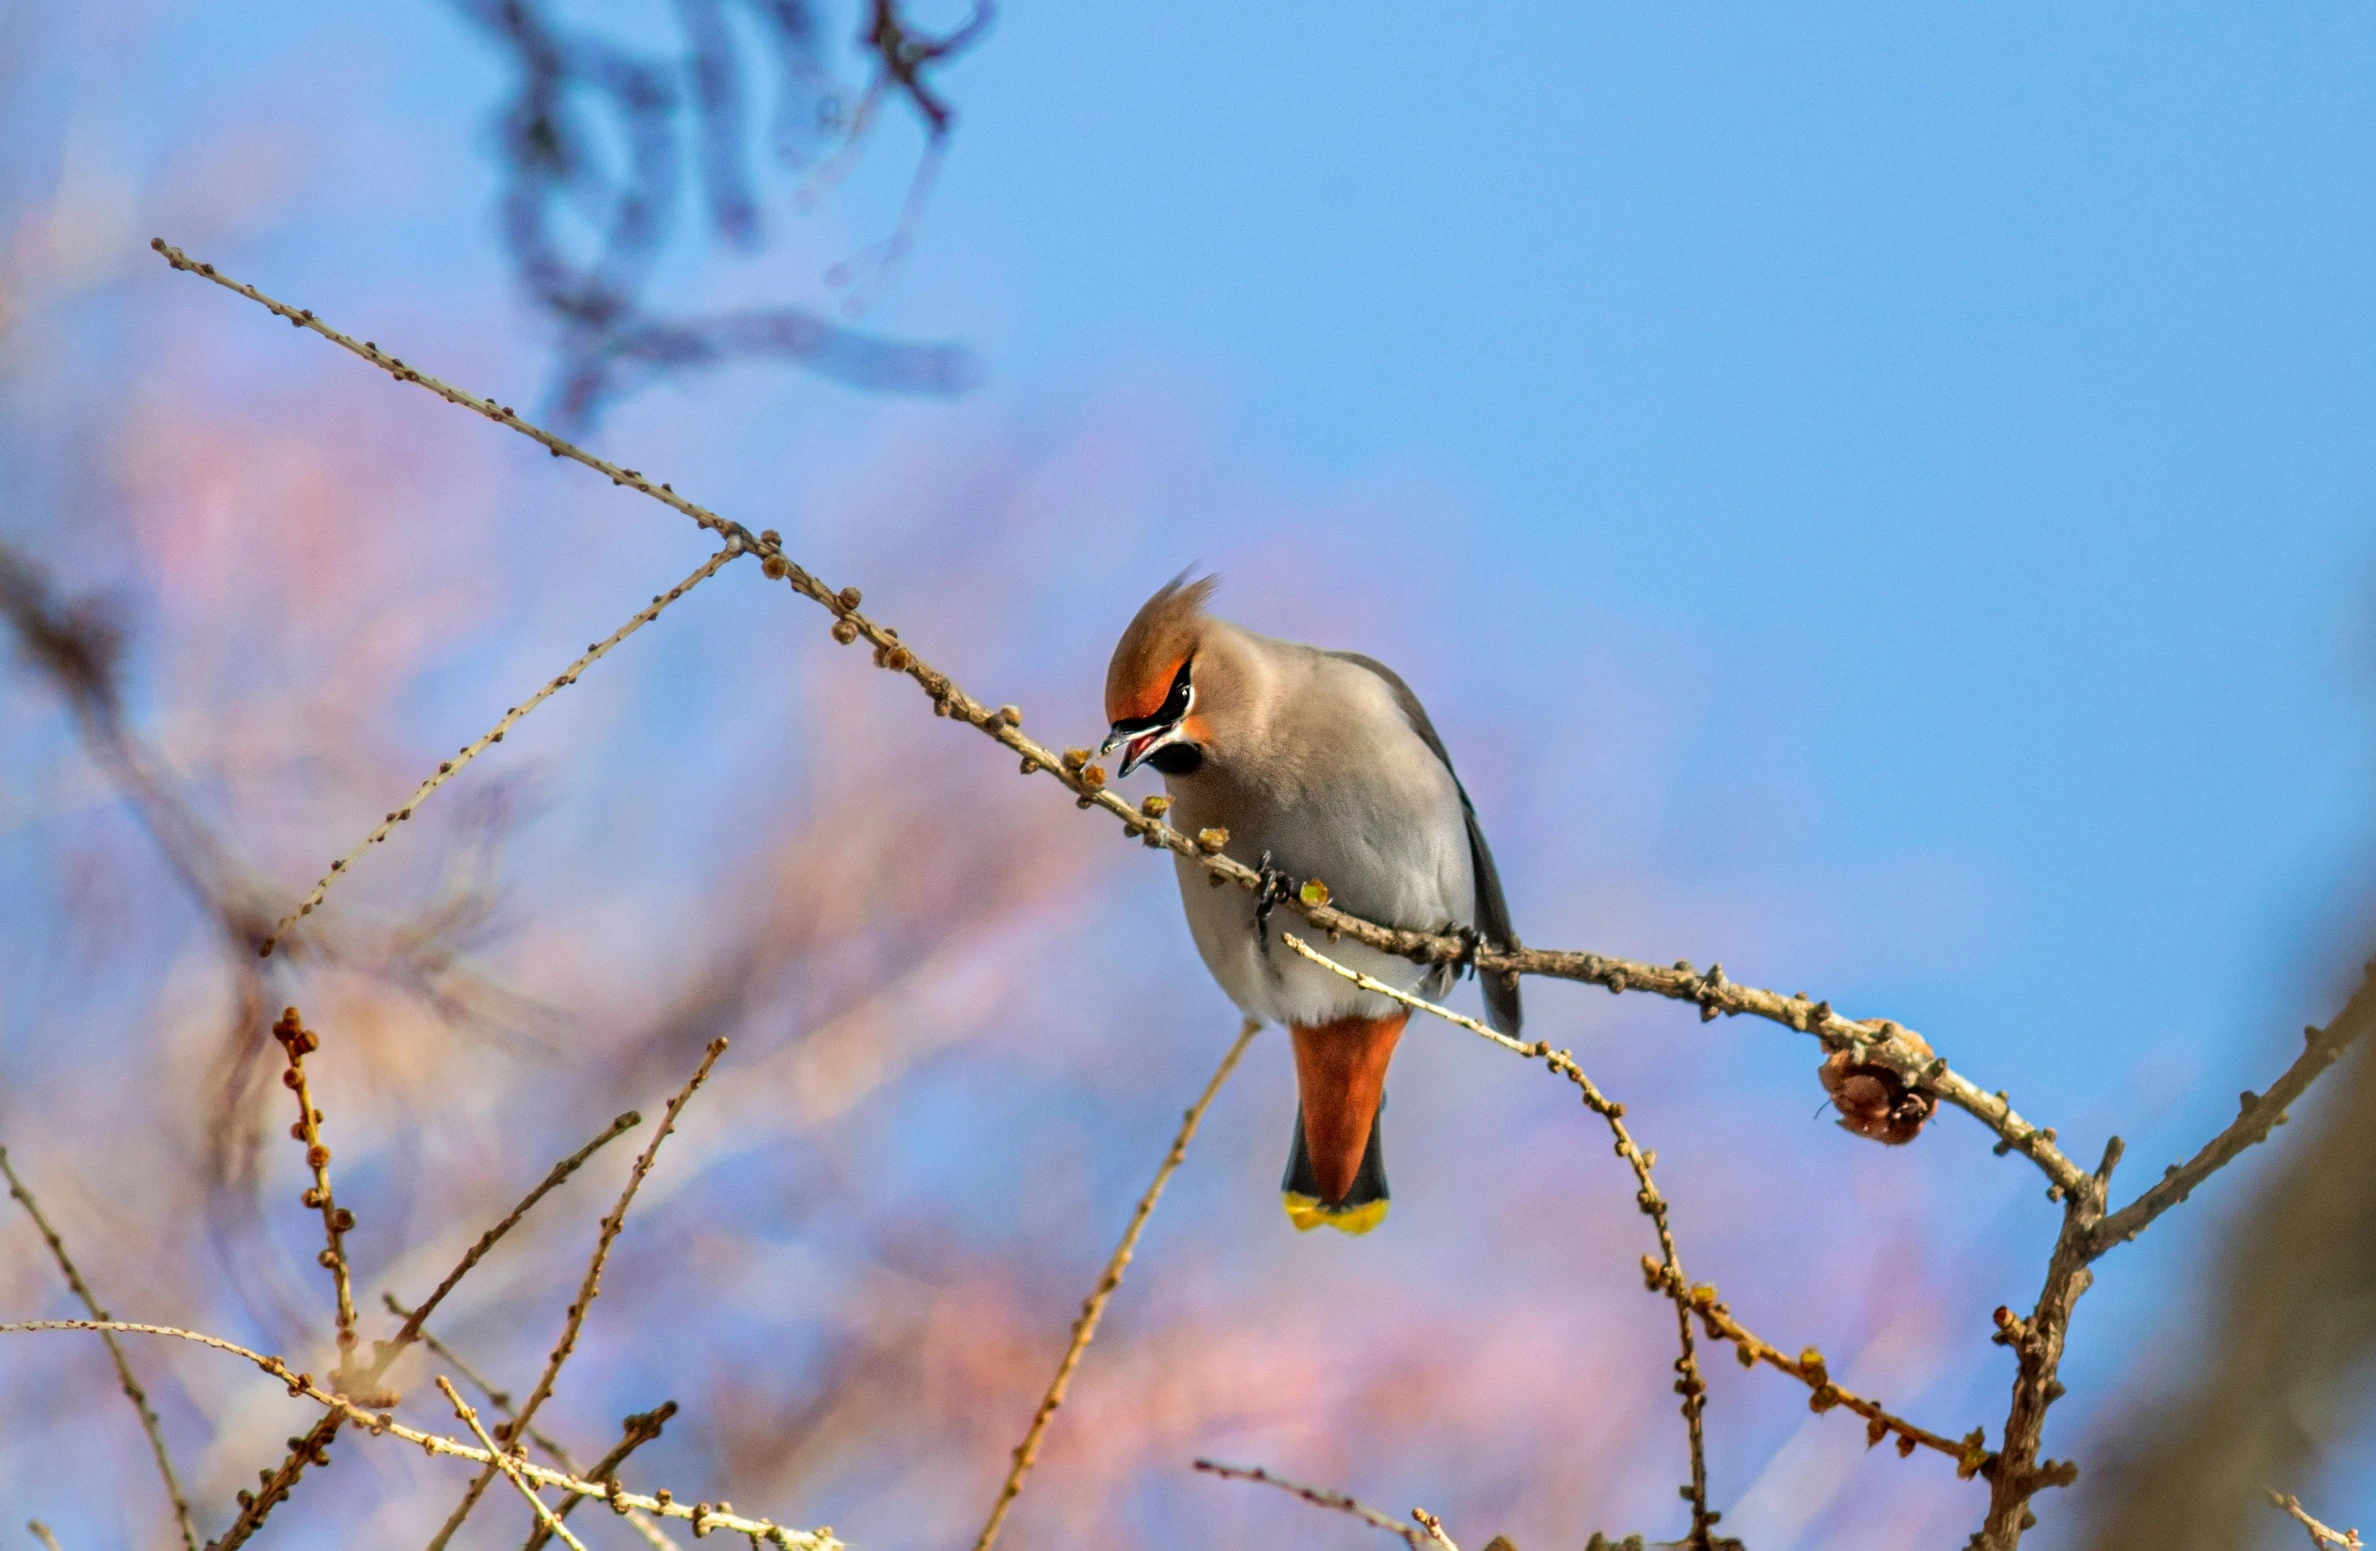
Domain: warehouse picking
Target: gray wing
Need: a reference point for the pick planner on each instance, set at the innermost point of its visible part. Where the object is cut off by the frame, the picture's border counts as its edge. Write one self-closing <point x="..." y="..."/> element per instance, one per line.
<point x="1493" y="912"/>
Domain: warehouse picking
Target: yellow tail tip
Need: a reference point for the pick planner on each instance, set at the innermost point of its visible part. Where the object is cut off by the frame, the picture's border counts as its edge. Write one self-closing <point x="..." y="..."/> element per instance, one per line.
<point x="1309" y="1212"/>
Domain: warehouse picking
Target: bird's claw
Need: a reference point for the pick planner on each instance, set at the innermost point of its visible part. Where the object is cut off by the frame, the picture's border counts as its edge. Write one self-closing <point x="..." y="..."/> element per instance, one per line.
<point x="1470" y="941"/>
<point x="1273" y="887"/>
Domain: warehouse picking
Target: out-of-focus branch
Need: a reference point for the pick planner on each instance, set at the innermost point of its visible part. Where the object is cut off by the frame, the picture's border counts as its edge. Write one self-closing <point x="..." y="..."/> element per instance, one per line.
<point x="704" y="1517"/>
<point x="42" y="1533"/>
<point x="1319" y="1497"/>
<point x="448" y="769"/>
<point x="588" y="1289"/>
<point x="502" y="1461"/>
<point x="1879" y="1041"/>
<point x="2321" y="1537"/>
<point x="1084" y="1329"/>
<point x="115" y="1352"/>
<point x="594" y="133"/>
<point x="1667" y="1269"/>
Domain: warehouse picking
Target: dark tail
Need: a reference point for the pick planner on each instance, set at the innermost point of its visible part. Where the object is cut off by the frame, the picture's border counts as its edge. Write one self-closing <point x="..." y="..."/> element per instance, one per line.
<point x="1364" y="1205"/>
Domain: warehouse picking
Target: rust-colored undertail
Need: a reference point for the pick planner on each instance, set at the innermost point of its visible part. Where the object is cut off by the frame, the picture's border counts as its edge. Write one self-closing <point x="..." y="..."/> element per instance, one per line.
<point x="1336" y="1173"/>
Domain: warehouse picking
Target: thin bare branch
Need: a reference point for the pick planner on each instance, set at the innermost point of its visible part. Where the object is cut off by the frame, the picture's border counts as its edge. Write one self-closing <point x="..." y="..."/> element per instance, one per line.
<point x="704" y="1517"/>
<point x="1878" y="1040"/>
<point x="1970" y="1453"/>
<point x="42" y="1533"/>
<point x="448" y="769"/>
<point x="2321" y="1537"/>
<point x="588" y="1289"/>
<point x="1319" y="1497"/>
<point x="503" y="1462"/>
<point x="131" y="1386"/>
<point x="487" y="1240"/>
<point x="1084" y="1329"/>
<point x="2257" y="1115"/>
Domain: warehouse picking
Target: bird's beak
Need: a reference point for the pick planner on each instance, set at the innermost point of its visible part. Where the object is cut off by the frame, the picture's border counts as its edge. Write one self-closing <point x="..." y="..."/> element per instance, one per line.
<point x="1137" y="745"/>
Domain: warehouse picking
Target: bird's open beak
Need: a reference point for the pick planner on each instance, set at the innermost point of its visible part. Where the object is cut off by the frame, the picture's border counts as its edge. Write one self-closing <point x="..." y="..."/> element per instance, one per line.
<point x="1137" y="745"/>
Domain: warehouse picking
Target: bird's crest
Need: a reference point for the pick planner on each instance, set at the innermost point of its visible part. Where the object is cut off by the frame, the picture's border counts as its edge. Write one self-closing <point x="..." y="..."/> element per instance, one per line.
<point x="1151" y="650"/>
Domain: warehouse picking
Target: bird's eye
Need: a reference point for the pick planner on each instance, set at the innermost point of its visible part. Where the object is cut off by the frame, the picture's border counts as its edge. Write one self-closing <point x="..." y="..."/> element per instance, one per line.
<point x="1175" y="704"/>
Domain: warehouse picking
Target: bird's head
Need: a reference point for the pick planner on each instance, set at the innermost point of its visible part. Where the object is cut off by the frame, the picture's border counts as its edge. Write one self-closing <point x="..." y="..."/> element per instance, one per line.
<point x="1151" y="685"/>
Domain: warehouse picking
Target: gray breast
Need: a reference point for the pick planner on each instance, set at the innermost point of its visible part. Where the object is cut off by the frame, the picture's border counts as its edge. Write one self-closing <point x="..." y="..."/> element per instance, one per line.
<point x="1340" y="788"/>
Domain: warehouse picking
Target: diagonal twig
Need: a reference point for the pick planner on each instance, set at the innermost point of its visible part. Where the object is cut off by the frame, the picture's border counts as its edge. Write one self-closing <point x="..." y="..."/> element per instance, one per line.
<point x="1084" y="1329"/>
<point x="448" y="769"/>
<point x="544" y="1515"/>
<point x="1319" y="1497"/>
<point x="1888" y="1043"/>
<point x="132" y="1390"/>
<point x="42" y="1533"/>
<point x="2258" y="1115"/>
<point x="588" y="1289"/>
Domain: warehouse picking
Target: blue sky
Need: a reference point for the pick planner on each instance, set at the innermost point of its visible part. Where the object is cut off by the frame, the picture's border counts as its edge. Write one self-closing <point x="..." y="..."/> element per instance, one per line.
<point x="1899" y="478"/>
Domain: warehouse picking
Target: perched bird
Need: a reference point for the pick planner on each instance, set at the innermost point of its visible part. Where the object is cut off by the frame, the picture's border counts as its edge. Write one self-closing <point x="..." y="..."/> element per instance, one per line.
<point x="1321" y="766"/>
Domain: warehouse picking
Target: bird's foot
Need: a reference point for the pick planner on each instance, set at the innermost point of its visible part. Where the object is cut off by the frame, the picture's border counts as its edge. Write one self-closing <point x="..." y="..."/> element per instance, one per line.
<point x="1274" y="887"/>
<point x="1470" y="941"/>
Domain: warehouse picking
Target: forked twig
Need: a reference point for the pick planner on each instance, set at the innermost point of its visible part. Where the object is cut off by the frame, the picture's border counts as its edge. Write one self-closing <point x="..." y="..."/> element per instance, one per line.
<point x="1669" y="1266"/>
<point x="448" y="769"/>
<point x="544" y="1515"/>
<point x="588" y="1289"/>
<point x="1084" y="1329"/>
<point x="131" y="1386"/>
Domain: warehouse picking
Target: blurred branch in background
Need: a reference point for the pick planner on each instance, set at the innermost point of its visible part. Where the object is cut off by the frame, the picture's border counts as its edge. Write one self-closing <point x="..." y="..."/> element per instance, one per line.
<point x="599" y="142"/>
<point x="77" y="646"/>
<point x="2266" y="1395"/>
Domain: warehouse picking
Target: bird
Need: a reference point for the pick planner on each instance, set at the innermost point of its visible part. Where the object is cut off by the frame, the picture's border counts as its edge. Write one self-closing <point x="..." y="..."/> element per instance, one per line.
<point x="1319" y="767"/>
